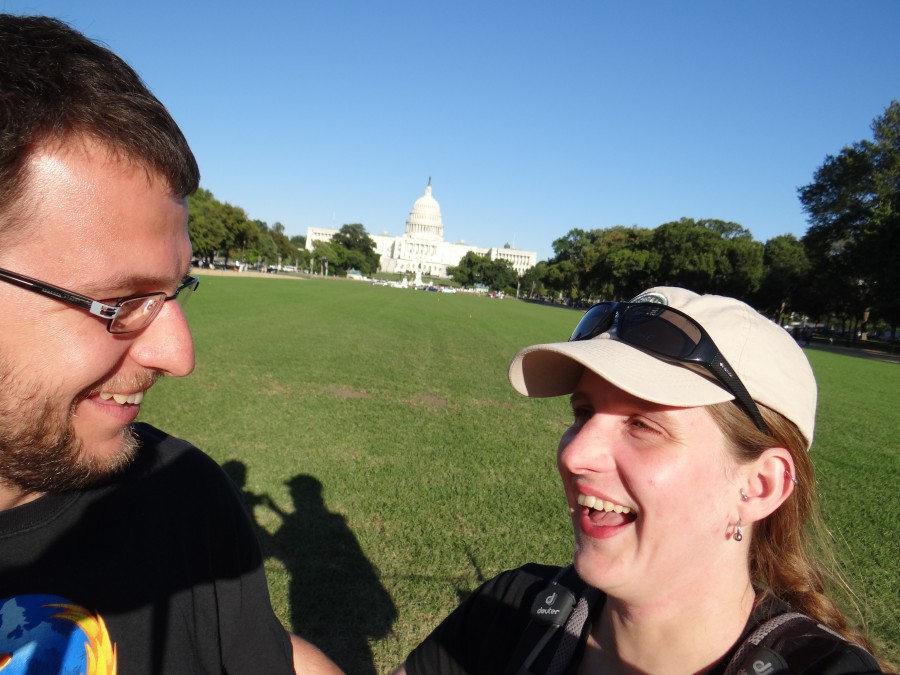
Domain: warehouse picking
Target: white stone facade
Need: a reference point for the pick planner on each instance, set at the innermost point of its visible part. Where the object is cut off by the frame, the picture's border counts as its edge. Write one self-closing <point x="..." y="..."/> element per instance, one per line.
<point x="422" y="247"/>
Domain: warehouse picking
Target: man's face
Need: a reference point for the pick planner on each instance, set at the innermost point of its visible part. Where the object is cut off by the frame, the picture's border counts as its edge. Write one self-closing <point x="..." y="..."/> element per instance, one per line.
<point x="97" y="224"/>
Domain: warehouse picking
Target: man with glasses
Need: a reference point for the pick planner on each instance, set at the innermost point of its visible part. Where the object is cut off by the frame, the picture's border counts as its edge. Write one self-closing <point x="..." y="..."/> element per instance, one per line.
<point x="120" y="546"/>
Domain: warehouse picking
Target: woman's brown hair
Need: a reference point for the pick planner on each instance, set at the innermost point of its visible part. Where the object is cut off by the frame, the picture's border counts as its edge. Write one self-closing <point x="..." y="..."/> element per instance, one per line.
<point x="790" y="554"/>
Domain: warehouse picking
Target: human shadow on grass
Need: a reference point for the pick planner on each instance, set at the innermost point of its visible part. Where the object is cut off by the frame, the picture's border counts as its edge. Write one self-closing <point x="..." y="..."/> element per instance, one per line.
<point x="337" y="600"/>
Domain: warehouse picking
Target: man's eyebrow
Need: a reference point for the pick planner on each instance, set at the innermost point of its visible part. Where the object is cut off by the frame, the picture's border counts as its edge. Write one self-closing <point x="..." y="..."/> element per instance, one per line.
<point x="129" y="284"/>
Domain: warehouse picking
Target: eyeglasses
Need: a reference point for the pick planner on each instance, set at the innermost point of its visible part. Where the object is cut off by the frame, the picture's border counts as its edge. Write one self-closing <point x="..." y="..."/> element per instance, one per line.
<point x="670" y="334"/>
<point x="125" y="315"/>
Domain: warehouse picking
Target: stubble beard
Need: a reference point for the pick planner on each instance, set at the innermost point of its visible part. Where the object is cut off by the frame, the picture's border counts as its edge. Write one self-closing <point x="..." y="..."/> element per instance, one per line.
<point x="39" y="450"/>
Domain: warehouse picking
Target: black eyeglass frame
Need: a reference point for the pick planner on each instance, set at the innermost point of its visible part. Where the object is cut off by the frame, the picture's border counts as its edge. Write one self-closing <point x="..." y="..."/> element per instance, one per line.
<point x="102" y="310"/>
<point x="705" y="352"/>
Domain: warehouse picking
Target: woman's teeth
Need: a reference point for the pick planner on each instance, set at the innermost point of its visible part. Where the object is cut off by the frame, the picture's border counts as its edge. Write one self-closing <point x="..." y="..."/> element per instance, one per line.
<point x="592" y="502"/>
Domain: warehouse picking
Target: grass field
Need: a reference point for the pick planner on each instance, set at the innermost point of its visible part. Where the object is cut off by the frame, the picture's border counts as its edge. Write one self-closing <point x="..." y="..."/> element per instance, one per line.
<point x="391" y="468"/>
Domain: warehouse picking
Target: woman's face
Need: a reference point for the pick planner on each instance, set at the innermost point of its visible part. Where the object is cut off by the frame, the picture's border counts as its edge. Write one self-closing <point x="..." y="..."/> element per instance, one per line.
<point x="652" y="492"/>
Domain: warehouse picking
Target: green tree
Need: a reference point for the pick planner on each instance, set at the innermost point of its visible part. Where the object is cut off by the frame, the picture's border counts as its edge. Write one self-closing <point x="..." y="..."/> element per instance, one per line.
<point x="690" y="255"/>
<point x="885" y="239"/>
<point x="219" y="229"/>
<point x="206" y="225"/>
<point x="242" y="234"/>
<point x="327" y="257"/>
<point x="578" y="255"/>
<point x="468" y="271"/>
<point x="499" y="275"/>
<point x="786" y="274"/>
<point x="853" y="206"/>
<point x="625" y="264"/>
<point x="287" y="251"/>
<point x="708" y="256"/>
<point x="264" y="251"/>
<point x="742" y="269"/>
<point x="304" y="259"/>
<point x="562" y="277"/>
<point x="532" y="282"/>
<point x="358" y="249"/>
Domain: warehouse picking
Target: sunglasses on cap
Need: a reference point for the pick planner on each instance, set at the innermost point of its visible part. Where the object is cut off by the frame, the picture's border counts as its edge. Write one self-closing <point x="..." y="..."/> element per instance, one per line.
<point x="669" y="334"/>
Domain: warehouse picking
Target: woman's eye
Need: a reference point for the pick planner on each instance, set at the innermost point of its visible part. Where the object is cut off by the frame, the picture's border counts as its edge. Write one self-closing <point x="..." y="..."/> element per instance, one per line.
<point x="642" y="426"/>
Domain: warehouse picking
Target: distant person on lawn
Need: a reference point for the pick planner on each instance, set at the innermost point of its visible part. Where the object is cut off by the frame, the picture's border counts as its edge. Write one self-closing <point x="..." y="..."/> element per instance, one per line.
<point x="687" y="473"/>
<point x="122" y="549"/>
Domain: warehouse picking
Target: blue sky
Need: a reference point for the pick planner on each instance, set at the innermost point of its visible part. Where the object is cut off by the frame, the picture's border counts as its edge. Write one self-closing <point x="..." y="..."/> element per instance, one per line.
<point x="531" y="117"/>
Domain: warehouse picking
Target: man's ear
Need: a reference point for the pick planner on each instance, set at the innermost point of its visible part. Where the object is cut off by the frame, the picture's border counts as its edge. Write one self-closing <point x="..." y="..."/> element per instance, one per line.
<point x="769" y="483"/>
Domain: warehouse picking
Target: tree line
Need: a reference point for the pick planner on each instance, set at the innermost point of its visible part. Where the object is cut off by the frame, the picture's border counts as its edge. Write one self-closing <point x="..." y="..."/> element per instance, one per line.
<point x="224" y="234"/>
<point x="845" y="266"/>
<point x="474" y="270"/>
<point x="707" y="256"/>
<point x="220" y="231"/>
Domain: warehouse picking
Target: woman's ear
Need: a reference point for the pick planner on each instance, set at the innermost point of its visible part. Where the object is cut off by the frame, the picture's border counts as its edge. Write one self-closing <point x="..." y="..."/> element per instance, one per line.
<point x="769" y="481"/>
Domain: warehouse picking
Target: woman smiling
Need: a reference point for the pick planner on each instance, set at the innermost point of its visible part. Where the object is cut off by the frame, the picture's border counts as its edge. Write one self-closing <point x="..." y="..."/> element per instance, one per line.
<point x="687" y="475"/>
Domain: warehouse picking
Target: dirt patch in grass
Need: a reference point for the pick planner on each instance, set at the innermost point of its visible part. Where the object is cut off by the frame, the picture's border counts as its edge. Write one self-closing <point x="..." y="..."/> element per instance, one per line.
<point x="428" y="401"/>
<point x="275" y="388"/>
<point x="345" y="392"/>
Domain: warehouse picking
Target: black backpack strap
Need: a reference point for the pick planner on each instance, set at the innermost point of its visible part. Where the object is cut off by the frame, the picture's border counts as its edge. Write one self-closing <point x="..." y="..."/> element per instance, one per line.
<point x="564" y="603"/>
<point x="803" y="642"/>
<point x="573" y="631"/>
<point x="754" y="647"/>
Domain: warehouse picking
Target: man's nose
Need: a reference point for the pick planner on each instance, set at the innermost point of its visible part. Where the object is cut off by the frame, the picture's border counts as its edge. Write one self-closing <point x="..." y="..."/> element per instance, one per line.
<point x="166" y="345"/>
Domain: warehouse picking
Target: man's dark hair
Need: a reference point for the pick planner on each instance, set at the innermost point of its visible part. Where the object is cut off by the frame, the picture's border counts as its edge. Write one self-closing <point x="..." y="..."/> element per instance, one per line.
<point x="55" y="84"/>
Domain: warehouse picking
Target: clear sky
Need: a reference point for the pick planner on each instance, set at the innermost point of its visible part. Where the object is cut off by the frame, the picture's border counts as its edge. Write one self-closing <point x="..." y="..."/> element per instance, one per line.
<point x="532" y="117"/>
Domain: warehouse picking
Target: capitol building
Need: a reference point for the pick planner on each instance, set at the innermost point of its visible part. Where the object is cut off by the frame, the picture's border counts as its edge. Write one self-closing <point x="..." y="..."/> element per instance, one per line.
<point x="422" y="248"/>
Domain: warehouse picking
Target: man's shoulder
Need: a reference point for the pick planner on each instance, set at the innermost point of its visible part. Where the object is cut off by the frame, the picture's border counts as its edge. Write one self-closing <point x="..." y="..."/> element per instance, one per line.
<point x="159" y="450"/>
<point x="176" y="466"/>
<point x="151" y="438"/>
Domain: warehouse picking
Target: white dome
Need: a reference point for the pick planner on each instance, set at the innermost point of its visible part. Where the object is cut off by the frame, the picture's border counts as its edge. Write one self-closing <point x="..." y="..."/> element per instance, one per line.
<point x="425" y="218"/>
<point x="426" y="204"/>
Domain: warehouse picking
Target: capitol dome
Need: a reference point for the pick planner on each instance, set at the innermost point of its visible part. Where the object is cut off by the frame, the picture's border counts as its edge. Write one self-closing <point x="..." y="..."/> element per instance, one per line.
<point x="425" y="218"/>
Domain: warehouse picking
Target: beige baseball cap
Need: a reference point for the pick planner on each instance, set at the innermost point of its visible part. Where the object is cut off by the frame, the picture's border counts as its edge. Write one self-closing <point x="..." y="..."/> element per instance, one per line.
<point x="764" y="356"/>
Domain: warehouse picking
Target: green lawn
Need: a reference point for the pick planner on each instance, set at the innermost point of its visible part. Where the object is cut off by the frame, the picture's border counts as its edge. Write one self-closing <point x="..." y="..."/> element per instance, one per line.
<point x="390" y="466"/>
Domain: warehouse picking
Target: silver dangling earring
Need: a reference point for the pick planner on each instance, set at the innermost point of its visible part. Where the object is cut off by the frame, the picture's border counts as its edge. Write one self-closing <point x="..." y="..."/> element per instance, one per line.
<point x="738" y="534"/>
<point x="744" y="496"/>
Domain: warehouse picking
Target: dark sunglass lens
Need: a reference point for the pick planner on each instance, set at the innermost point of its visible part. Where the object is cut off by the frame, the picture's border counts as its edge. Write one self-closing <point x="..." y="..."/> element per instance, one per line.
<point x="596" y="320"/>
<point x="659" y="330"/>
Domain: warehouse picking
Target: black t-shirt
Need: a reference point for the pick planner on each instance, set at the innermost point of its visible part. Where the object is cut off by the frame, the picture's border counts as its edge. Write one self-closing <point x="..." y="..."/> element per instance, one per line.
<point x="157" y="572"/>
<point x="483" y="634"/>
